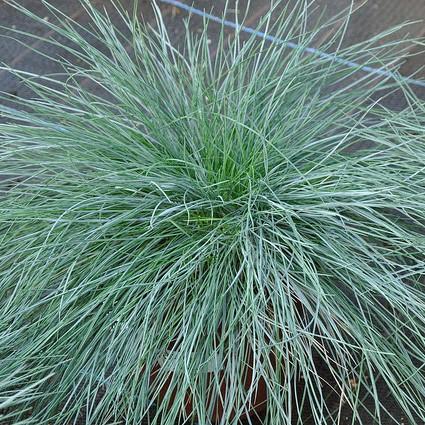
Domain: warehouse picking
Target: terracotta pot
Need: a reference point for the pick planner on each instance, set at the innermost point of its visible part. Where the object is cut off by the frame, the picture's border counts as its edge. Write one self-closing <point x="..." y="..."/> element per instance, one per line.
<point x="257" y="403"/>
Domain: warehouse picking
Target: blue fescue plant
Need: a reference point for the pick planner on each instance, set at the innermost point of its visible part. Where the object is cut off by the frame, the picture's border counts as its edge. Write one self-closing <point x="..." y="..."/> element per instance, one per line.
<point x="239" y="204"/>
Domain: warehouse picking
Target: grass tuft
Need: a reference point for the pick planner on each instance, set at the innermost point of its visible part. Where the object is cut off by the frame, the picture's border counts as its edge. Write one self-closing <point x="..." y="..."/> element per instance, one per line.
<point x="236" y="201"/>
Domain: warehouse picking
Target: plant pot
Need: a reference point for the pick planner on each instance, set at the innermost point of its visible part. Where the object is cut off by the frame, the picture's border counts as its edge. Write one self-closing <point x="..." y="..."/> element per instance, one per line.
<point x="255" y="406"/>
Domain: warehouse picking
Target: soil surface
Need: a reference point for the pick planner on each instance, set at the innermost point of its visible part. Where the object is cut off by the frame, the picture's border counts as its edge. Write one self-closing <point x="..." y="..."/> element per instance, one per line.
<point x="20" y="51"/>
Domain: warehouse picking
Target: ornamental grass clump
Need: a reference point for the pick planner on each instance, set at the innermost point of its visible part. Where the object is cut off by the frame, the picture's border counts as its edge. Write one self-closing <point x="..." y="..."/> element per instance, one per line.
<point x="211" y="210"/>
